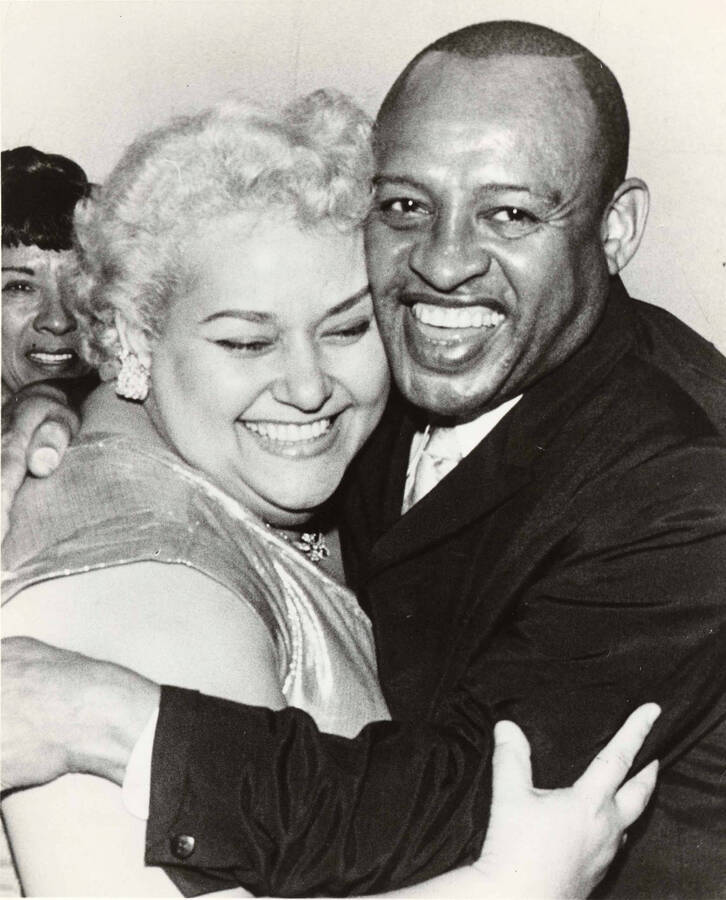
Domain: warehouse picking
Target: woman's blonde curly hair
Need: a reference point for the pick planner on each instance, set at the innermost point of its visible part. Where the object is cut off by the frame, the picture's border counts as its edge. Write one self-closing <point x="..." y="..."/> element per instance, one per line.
<point x="312" y="160"/>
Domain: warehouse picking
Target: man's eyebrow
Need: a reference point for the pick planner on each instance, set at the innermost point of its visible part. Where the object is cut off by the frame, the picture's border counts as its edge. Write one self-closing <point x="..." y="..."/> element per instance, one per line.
<point x="496" y="187"/>
<point x="398" y="179"/>
<point x="251" y="315"/>
<point x="24" y="270"/>
<point x="493" y="187"/>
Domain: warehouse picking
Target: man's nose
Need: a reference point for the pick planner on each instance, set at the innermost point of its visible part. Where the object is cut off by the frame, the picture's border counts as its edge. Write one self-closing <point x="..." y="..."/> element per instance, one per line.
<point x="449" y="254"/>
<point x="53" y="315"/>
<point x="304" y="383"/>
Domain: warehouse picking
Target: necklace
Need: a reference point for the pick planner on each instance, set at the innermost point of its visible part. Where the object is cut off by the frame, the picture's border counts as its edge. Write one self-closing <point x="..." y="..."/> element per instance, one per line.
<point x="310" y="543"/>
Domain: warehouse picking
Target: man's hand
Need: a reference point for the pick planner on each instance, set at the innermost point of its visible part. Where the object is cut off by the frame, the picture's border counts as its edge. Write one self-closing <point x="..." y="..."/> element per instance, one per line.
<point x="560" y="843"/>
<point x="37" y="425"/>
<point x="64" y="712"/>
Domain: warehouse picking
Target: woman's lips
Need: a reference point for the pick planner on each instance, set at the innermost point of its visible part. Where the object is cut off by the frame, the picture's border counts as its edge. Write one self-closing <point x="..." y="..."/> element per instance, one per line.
<point x="53" y="359"/>
<point x="295" y="440"/>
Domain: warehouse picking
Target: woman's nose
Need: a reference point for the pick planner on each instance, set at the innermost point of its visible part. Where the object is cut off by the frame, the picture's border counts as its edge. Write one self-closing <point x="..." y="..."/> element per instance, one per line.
<point x="53" y="315"/>
<point x="304" y="383"/>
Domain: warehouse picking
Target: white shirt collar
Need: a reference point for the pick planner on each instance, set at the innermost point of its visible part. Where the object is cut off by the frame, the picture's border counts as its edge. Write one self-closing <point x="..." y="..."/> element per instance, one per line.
<point x="469" y="434"/>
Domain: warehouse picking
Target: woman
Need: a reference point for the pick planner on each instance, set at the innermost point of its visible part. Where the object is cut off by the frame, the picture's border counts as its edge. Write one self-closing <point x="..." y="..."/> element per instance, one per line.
<point x="40" y="340"/>
<point x="224" y="289"/>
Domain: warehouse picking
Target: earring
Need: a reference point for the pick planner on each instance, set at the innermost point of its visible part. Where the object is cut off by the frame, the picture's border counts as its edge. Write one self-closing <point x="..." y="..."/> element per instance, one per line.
<point x="132" y="381"/>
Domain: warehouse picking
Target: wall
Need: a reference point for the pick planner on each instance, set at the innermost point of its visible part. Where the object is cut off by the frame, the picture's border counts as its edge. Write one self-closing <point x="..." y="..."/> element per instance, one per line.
<point x="81" y="78"/>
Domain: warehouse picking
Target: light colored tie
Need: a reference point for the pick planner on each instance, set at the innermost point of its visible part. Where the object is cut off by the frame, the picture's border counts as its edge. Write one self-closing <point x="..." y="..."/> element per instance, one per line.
<point x="440" y="455"/>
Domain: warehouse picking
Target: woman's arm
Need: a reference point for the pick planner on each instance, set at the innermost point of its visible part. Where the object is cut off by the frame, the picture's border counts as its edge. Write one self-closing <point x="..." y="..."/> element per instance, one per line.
<point x="170" y="623"/>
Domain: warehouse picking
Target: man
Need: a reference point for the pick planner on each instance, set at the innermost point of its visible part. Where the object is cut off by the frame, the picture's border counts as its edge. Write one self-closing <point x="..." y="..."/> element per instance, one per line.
<point x="566" y="569"/>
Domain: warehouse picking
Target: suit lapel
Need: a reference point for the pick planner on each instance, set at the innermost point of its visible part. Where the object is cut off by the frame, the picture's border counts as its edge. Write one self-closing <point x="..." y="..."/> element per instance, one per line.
<point x="480" y="483"/>
<point x="505" y="460"/>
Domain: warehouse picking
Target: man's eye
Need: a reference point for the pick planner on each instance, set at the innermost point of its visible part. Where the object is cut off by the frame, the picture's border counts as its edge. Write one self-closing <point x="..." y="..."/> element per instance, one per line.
<point x="402" y="211"/>
<point x="512" y="221"/>
<point x="250" y="348"/>
<point x="513" y="214"/>
<point x="401" y="205"/>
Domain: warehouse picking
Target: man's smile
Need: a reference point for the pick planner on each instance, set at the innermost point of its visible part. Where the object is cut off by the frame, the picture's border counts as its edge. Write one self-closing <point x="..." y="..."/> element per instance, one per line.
<point x="444" y="336"/>
<point x="456" y="317"/>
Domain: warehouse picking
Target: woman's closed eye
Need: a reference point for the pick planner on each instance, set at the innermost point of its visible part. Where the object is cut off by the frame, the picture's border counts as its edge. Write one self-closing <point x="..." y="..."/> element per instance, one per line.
<point x="245" y="347"/>
<point x="350" y="332"/>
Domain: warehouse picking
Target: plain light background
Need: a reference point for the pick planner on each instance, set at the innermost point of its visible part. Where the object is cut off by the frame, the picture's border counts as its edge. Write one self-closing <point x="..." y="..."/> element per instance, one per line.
<point x="83" y="78"/>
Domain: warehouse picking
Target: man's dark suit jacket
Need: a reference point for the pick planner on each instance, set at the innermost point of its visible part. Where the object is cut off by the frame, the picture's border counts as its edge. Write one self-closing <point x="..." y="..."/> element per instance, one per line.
<point x="570" y="568"/>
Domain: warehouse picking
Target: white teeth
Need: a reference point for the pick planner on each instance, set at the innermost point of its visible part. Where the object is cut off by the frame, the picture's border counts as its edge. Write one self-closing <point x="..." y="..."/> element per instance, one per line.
<point x="459" y="317"/>
<point x="285" y="432"/>
<point x="50" y="357"/>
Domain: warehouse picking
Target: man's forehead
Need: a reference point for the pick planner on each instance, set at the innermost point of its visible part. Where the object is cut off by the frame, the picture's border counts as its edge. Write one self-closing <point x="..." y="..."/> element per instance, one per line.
<point x="446" y="85"/>
<point x="529" y="107"/>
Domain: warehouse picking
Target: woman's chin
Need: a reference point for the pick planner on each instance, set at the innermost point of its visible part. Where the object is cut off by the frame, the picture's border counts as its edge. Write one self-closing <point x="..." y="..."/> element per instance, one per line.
<point x="292" y="512"/>
<point x="283" y="508"/>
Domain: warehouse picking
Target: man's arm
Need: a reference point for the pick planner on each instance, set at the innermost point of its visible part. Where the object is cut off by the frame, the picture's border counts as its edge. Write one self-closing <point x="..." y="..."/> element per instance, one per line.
<point x="313" y="813"/>
<point x="287" y="810"/>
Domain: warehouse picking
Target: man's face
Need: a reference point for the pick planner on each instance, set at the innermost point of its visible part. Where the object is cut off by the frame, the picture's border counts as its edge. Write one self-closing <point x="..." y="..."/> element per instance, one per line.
<point x="484" y="250"/>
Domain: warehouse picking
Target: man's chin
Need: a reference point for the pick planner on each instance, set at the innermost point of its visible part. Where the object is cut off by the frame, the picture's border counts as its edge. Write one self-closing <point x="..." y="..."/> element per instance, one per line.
<point x="446" y="396"/>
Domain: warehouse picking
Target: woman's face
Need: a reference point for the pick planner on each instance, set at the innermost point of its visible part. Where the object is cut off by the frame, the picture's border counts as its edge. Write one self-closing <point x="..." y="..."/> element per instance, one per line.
<point x="39" y="335"/>
<point x="270" y="374"/>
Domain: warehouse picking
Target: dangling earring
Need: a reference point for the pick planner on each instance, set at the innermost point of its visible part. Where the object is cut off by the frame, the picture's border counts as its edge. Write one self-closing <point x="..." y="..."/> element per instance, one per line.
<point x="132" y="381"/>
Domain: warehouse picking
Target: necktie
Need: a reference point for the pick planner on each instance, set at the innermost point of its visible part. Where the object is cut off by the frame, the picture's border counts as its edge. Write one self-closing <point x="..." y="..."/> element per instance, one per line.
<point x="439" y="457"/>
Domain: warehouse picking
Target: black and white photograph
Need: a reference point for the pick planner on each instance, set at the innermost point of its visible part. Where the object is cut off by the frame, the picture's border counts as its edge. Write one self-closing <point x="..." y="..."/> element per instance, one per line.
<point x="364" y="449"/>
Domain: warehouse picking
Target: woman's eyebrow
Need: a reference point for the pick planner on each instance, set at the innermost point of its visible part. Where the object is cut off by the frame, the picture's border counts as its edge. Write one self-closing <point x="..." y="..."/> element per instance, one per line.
<point x="349" y="303"/>
<point x="249" y="315"/>
<point x="24" y="270"/>
<point x="252" y="315"/>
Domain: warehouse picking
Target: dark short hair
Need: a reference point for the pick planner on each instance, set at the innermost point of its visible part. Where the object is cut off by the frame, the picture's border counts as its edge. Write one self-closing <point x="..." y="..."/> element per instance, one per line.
<point x="39" y="193"/>
<point x="509" y="38"/>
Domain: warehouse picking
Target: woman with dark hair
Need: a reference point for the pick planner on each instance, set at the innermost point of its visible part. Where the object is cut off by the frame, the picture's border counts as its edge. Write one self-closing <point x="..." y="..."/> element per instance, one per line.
<point x="39" y="335"/>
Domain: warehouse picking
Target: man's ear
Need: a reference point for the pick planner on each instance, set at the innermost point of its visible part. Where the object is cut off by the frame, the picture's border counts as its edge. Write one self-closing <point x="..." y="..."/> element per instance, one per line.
<point x="623" y="223"/>
<point x="133" y="340"/>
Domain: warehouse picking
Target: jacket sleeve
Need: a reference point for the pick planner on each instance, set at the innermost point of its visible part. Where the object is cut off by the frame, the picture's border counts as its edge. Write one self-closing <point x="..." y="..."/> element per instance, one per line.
<point x="629" y="610"/>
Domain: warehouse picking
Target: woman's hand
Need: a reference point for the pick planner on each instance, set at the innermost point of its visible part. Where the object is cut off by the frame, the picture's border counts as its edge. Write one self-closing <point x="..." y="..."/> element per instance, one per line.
<point x="38" y="425"/>
<point x="560" y="843"/>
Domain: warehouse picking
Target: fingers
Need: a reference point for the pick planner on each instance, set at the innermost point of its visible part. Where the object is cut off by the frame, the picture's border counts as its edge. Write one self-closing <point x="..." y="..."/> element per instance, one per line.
<point x="14" y="471"/>
<point x="633" y="796"/>
<point x="38" y="425"/>
<point x="511" y="765"/>
<point x="47" y="446"/>
<point x="607" y="771"/>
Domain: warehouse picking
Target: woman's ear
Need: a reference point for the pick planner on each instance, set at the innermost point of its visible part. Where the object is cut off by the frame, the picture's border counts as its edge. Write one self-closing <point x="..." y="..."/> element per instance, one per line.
<point x="133" y="340"/>
<point x="623" y="223"/>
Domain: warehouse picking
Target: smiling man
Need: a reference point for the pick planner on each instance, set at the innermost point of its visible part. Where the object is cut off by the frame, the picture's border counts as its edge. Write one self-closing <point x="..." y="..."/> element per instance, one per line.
<point x="565" y="558"/>
<point x="486" y="255"/>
